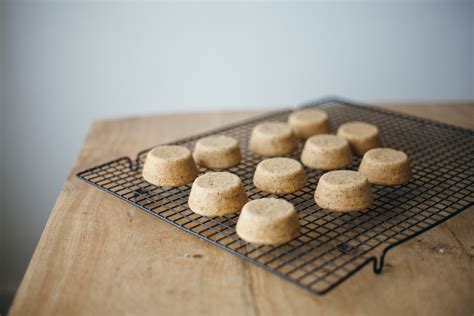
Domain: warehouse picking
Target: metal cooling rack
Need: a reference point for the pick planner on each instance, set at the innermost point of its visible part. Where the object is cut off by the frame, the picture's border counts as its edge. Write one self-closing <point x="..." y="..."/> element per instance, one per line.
<point x="332" y="246"/>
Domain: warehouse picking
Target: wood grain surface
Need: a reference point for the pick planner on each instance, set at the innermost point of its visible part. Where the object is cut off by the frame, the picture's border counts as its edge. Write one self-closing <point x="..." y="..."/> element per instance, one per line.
<point x="102" y="256"/>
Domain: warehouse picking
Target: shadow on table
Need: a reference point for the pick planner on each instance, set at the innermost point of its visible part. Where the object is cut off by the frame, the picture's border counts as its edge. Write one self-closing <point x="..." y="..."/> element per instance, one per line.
<point x="6" y="299"/>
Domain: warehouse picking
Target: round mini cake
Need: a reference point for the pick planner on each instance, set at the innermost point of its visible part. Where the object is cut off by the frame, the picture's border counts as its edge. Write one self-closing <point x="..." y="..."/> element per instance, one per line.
<point x="386" y="166"/>
<point x="279" y="175"/>
<point x="361" y="136"/>
<point x="268" y="221"/>
<point x="326" y="152"/>
<point x="217" y="194"/>
<point x="309" y="122"/>
<point x="343" y="191"/>
<point x="217" y="152"/>
<point x="169" y="165"/>
<point x="272" y="139"/>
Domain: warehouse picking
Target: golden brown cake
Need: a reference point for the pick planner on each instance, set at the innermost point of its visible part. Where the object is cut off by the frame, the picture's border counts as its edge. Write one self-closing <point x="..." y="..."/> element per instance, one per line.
<point x="217" y="194"/>
<point x="268" y="221"/>
<point x="217" y="152"/>
<point x="279" y="175"/>
<point x="169" y="165"/>
<point x="386" y="166"/>
<point x="272" y="139"/>
<point x="361" y="136"/>
<point x="343" y="191"/>
<point x="326" y="152"/>
<point x="308" y="122"/>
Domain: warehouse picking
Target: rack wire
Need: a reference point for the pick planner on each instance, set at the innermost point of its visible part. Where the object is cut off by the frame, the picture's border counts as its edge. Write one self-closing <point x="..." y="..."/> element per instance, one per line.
<point x="332" y="246"/>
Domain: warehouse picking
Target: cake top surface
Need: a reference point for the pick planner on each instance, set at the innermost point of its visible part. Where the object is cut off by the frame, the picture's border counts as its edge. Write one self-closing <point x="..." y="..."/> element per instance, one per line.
<point x="170" y="152"/>
<point x="309" y="115"/>
<point x="343" y="178"/>
<point x="273" y="129"/>
<point x="217" y="142"/>
<point x="217" y="180"/>
<point x="269" y="208"/>
<point x="385" y="155"/>
<point x="280" y="165"/>
<point x="328" y="141"/>
<point x="358" y="129"/>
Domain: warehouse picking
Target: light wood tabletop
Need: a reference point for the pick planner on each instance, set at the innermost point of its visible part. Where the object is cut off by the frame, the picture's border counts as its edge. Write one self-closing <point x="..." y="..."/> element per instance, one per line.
<point x="99" y="255"/>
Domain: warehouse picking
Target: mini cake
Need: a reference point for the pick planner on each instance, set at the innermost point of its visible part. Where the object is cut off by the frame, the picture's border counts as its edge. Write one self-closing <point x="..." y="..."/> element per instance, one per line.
<point x="217" y="194"/>
<point x="169" y="165"/>
<point x="272" y="139"/>
<point x="326" y="152"/>
<point x="343" y="191"/>
<point x="217" y="152"/>
<point x="361" y="136"/>
<point x="386" y="166"/>
<point x="309" y="122"/>
<point x="268" y="221"/>
<point x="279" y="175"/>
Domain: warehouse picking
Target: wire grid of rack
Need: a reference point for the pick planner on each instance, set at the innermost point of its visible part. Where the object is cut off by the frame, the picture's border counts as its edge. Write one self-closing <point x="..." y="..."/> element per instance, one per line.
<point x="331" y="246"/>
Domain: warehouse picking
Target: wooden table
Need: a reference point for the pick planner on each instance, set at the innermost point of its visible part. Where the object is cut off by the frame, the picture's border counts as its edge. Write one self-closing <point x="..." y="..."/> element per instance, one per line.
<point x="101" y="256"/>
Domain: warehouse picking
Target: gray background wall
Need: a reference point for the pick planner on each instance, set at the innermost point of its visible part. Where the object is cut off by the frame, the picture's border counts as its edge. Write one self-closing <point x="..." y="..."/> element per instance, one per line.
<point x="2" y="150"/>
<point x="66" y="64"/>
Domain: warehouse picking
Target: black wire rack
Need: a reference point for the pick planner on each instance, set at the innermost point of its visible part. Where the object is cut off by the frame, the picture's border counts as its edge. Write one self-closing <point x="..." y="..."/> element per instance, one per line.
<point x="331" y="246"/>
